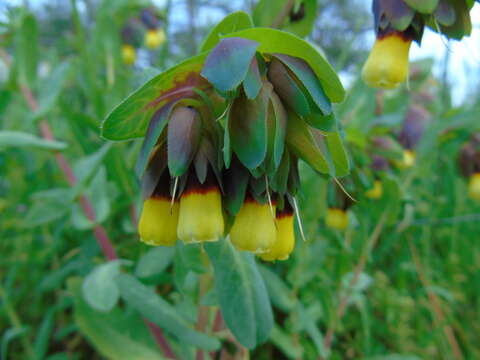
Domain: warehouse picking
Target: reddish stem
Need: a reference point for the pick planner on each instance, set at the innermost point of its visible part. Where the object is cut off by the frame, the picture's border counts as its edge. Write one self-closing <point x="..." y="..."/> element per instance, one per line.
<point x="99" y="231"/>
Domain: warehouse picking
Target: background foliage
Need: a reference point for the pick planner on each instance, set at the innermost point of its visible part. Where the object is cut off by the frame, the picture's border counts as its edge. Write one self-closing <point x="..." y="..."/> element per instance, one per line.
<point x="402" y="282"/>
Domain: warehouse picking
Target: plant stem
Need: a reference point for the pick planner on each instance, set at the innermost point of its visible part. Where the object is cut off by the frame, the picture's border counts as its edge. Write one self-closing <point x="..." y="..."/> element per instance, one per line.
<point x="369" y="244"/>
<point x="15" y="321"/>
<point x="436" y="308"/>
<point x="99" y="231"/>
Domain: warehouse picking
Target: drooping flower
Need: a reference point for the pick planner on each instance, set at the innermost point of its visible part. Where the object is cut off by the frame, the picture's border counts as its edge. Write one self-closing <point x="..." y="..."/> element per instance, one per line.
<point x="200" y="214"/>
<point x="474" y="187"/>
<point x="376" y="191"/>
<point x="159" y="216"/>
<point x="387" y="64"/>
<point x="129" y="54"/>
<point x="336" y="219"/>
<point x="394" y="20"/>
<point x="154" y="38"/>
<point x="285" y="239"/>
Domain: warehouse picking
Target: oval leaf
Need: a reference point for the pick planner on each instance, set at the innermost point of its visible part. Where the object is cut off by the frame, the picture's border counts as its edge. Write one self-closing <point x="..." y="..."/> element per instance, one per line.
<point x="99" y="288"/>
<point x="157" y="310"/>
<point x="241" y="293"/>
<point x="276" y="41"/>
<point x="248" y="128"/>
<point x="236" y="21"/>
<point x="309" y="79"/>
<point x="227" y="64"/>
<point x="302" y="144"/>
<point x="183" y="137"/>
<point x="131" y="117"/>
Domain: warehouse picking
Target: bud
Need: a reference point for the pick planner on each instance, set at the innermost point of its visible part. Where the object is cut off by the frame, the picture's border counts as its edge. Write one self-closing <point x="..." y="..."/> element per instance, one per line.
<point x="336" y="219"/>
<point x="200" y="215"/>
<point x="254" y="227"/>
<point x="158" y="221"/>
<point x="285" y="240"/>
<point x="376" y="191"/>
<point x="387" y="64"/>
<point x="154" y="38"/>
<point x="474" y="187"/>
<point x="129" y="55"/>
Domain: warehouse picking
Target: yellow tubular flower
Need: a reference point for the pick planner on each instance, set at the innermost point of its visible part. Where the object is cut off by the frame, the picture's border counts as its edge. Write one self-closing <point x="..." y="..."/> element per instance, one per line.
<point x="254" y="227"/>
<point x="474" y="187"/>
<point x="387" y="64"/>
<point x="409" y="158"/>
<point x="285" y="241"/>
<point x="129" y="54"/>
<point x="336" y="219"/>
<point x="200" y="215"/>
<point x="158" y="221"/>
<point x="376" y="191"/>
<point x="154" y="38"/>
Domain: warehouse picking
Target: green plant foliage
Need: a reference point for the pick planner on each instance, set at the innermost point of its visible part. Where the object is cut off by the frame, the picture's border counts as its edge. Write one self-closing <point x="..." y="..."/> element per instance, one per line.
<point x="241" y="293"/>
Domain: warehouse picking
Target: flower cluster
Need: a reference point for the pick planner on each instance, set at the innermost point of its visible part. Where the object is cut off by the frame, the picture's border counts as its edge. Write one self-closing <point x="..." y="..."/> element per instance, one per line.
<point x="153" y="37"/>
<point x="398" y="23"/>
<point x="220" y="159"/>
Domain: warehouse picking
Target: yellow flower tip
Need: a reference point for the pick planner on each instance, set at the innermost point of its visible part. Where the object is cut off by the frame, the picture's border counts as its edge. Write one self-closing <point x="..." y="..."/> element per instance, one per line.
<point x="129" y="55"/>
<point x="336" y="219"/>
<point x="254" y="227"/>
<point x="474" y="187"/>
<point x="154" y="38"/>
<point x="409" y="158"/>
<point x="376" y="191"/>
<point x="387" y="64"/>
<point x="158" y="221"/>
<point x="285" y="239"/>
<point x="200" y="215"/>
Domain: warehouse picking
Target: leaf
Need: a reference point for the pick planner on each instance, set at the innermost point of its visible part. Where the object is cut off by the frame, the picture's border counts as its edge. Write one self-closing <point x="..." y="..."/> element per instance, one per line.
<point x="338" y="153"/>
<point x="241" y="293"/>
<point x="99" y="288"/>
<point x="302" y="144"/>
<point x="235" y="21"/>
<point x="49" y="205"/>
<point x="280" y="295"/>
<point x="322" y="122"/>
<point x="111" y="333"/>
<point x="286" y="343"/>
<point x="235" y="179"/>
<point x="155" y="127"/>
<point x="280" y="128"/>
<point x="131" y="117"/>
<point x="155" y="261"/>
<point x="227" y="64"/>
<point x="276" y="41"/>
<point x="9" y="335"/>
<point x="444" y="13"/>
<point x="183" y="137"/>
<point x="22" y="139"/>
<point x="52" y="87"/>
<point x="300" y="21"/>
<point x="87" y="166"/>
<point x="253" y="82"/>
<point x="157" y="310"/>
<point x="248" y="128"/>
<point x="26" y="49"/>
<point x="423" y="6"/>
<point x="309" y="79"/>
<point x="395" y="12"/>
<point x="286" y="87"/>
